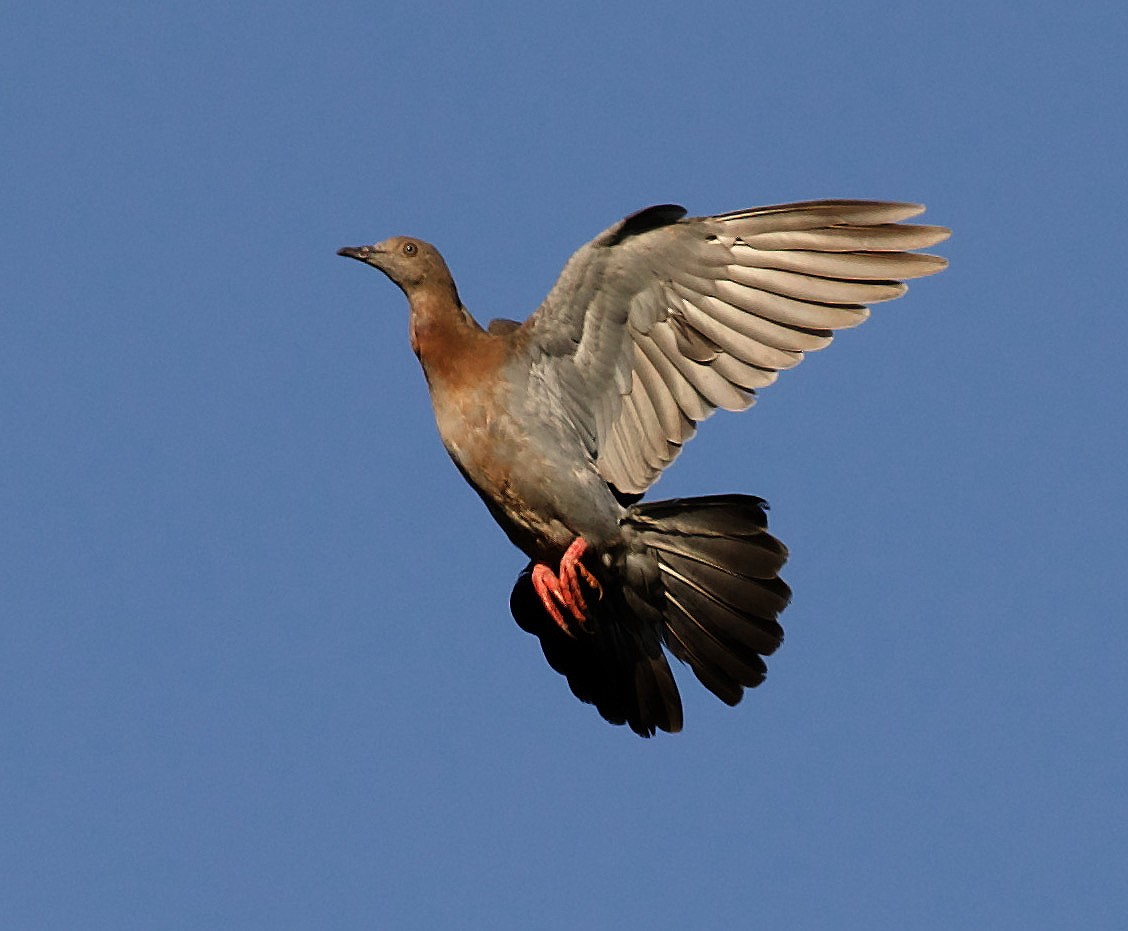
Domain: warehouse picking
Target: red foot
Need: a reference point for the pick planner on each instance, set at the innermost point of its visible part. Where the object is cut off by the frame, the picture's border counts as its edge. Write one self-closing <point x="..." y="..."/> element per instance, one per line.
<point x="565" y="591"/>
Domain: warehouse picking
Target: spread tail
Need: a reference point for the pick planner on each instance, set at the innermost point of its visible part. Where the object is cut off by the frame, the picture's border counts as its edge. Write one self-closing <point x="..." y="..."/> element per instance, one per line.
<point x="699" y="576"/>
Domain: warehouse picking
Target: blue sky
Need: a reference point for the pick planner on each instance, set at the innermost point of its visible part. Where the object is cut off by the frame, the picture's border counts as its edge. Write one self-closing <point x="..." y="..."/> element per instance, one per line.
<point x="257" y="668"/>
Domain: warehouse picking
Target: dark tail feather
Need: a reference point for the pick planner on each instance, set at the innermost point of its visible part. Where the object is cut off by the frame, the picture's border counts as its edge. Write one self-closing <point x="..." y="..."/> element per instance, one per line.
<point x="699" y="575"/>
<point x="617" y="667"/>
<point x="719" y="574"/>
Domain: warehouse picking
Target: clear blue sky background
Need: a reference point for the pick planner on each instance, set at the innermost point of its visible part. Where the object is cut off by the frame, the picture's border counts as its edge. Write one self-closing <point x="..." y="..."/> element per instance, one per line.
<point x="257" y="668"/>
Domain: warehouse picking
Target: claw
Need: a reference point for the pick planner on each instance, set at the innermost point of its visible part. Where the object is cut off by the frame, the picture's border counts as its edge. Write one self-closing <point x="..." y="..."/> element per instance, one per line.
<point x="572" y="570"/>
<point x="547" y="586"/>
<point x="565" y="590"/>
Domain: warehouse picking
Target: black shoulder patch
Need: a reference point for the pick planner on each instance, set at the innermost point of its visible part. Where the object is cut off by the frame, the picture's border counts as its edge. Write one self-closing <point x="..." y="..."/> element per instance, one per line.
<point x="642" y="221"/>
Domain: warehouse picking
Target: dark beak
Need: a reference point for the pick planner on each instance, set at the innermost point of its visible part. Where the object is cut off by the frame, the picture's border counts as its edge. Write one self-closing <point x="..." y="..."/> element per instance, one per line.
<point x="360" y="253"/>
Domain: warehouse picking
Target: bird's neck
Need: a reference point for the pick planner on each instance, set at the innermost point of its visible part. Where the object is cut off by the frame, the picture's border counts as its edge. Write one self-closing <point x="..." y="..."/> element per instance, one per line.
<point x="450" y="344"/>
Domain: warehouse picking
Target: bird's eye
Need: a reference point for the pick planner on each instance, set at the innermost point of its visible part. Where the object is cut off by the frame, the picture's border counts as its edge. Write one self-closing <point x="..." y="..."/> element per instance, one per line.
<point x="409" y="248"/>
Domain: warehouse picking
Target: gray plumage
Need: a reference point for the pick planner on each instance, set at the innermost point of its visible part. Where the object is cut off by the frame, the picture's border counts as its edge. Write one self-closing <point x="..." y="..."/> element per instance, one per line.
<point x="659" y="321"/>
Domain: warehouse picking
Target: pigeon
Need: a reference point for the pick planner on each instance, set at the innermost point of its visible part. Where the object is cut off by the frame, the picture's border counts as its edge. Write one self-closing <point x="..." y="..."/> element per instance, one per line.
<point x="562" y="423"/>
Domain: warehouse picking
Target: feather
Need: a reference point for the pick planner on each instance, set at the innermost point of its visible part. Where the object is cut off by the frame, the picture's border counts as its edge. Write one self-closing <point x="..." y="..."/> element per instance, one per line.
<point x="696" y="312"/>
<point x="846" y="265"/>
<point x="711" y="386"/>
<point x="881" y="238"/>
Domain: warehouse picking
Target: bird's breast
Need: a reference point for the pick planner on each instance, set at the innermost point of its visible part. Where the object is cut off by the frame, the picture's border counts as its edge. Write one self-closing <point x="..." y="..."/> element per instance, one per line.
<point x="537" y="482"/>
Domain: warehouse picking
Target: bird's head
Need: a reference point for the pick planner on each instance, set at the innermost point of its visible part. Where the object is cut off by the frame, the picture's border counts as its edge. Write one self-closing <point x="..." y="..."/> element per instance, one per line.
<point x="410" y="263"/>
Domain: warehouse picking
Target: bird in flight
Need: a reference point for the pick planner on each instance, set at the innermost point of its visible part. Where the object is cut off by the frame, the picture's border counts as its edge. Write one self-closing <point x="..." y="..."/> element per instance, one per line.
<point x="561" y="423"/>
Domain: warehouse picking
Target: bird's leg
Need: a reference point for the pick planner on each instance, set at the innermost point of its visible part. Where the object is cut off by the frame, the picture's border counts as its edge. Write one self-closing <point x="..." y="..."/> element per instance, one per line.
<point x="547" y="586"/>
<point x="572" y="570"/>
<point x="564" y="590"/>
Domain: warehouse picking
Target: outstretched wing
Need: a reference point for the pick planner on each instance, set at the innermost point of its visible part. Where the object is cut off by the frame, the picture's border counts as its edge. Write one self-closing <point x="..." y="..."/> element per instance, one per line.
<point x="661" y="319"/>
